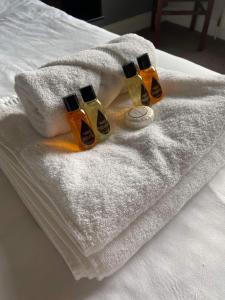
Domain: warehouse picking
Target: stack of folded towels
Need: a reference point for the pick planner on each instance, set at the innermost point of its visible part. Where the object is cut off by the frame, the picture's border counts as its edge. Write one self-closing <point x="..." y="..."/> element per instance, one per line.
<point x="99" y="207"/>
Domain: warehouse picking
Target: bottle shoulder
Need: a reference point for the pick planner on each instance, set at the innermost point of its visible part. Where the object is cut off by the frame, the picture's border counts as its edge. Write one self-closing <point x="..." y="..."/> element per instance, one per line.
<point x="134" y="79"/>
<point x="147" y="72"/>
<point x="78" y="113"/>
<point x="94" y="102"/>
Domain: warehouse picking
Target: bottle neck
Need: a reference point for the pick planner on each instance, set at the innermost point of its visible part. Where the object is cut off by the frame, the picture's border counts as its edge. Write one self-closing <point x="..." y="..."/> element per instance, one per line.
<point x="91" y="102"/>
<point x="79" y="110"/>
<point x="73" y="111"/>
<point x="133" y="77"/>
<point x="147" y="69"/>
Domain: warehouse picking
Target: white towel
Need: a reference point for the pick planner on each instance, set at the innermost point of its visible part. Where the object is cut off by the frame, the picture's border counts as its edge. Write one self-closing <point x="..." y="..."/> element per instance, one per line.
<point x="41" y="91"/>
<point x="100" y="206"/>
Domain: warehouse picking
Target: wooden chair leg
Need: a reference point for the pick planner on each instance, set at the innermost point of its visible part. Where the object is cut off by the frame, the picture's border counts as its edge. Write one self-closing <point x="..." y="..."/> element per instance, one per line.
<point x="194" y="17"/>
<point x="154" y="9"/>
<point x="206" y="25"/>
<point x="158" y="15"/>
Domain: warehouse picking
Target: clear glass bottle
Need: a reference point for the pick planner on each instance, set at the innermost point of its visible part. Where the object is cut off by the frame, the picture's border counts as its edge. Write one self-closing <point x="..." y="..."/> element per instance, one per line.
<point x="96" y="113"/>
<point x="135" y="85"/>
<point x="150" y="78"/>
<point x="79" y="123"/>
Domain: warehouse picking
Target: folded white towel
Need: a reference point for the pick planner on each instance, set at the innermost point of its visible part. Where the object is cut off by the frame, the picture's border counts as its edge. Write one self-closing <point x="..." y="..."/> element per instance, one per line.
<point x="105" y="262"/>
<point x="41" y="91"/>
<point x="100" y="206"/>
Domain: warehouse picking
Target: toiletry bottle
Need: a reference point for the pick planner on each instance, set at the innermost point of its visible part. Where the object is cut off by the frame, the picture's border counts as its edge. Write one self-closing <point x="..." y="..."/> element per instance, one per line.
<point x="79" y="123"/>
<point x="150" y="78"/>
<point x="135" y="85"/>
<point x="96" y="113"/>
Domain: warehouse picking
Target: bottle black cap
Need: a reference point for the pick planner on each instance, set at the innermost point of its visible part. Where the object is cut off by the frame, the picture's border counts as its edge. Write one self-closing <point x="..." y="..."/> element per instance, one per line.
<point x="130" y="70"/>
<point x="71" y="102"/>
<point x="144" y="61"/>
<point x="88" y="93"/>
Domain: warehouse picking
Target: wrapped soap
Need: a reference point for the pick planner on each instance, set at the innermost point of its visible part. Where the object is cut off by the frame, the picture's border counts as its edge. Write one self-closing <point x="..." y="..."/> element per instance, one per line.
<point x="139" y="117"/>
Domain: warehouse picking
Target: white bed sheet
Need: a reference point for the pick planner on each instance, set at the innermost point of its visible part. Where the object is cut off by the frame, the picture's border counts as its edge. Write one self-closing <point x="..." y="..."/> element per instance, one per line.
<point x="186" y="260"/>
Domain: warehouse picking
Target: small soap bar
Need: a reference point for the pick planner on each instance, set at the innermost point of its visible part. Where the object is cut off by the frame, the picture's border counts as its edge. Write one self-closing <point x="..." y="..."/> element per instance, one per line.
<point x="139" y="117"/>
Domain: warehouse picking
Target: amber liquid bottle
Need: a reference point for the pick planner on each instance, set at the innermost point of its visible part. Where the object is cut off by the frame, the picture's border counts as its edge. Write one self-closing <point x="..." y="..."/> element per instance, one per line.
<point x="79" y="123"/>
<point x="135" y="86"/>
<point x="96" y="113"/>
<point x="150" y="78"/>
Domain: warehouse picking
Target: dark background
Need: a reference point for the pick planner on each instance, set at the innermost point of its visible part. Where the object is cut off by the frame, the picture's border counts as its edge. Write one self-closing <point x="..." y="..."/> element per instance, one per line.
<point x="111" y="10"/>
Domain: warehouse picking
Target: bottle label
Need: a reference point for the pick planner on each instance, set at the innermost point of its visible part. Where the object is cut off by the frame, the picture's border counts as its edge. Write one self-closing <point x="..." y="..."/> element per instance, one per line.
<point x="102" y="123"/>
<point x="87" y="134"/>
<point x="145" y="100"/>
<point x="156" y="89"/>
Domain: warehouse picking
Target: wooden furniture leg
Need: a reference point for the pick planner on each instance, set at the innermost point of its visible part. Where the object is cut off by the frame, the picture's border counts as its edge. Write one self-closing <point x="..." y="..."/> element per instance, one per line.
<point x="206" y="25"/>
<point x="198" y="10"/>
<point x="194" y="17"/>
<point x="154" y="9"/>
<point x="160" y="4"/>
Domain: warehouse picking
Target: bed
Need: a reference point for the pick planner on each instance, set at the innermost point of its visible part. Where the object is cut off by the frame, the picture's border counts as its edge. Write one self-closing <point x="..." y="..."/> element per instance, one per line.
<point x="186" y="260"/>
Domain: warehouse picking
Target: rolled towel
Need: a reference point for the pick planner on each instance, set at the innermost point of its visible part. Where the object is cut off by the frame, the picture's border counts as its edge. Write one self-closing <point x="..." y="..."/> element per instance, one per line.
<point x="100" y="206"/>
<point x="41" y="91"/>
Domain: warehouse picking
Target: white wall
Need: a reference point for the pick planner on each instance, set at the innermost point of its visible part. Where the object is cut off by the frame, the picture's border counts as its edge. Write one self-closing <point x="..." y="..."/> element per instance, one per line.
<point x="185" y="20"/>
